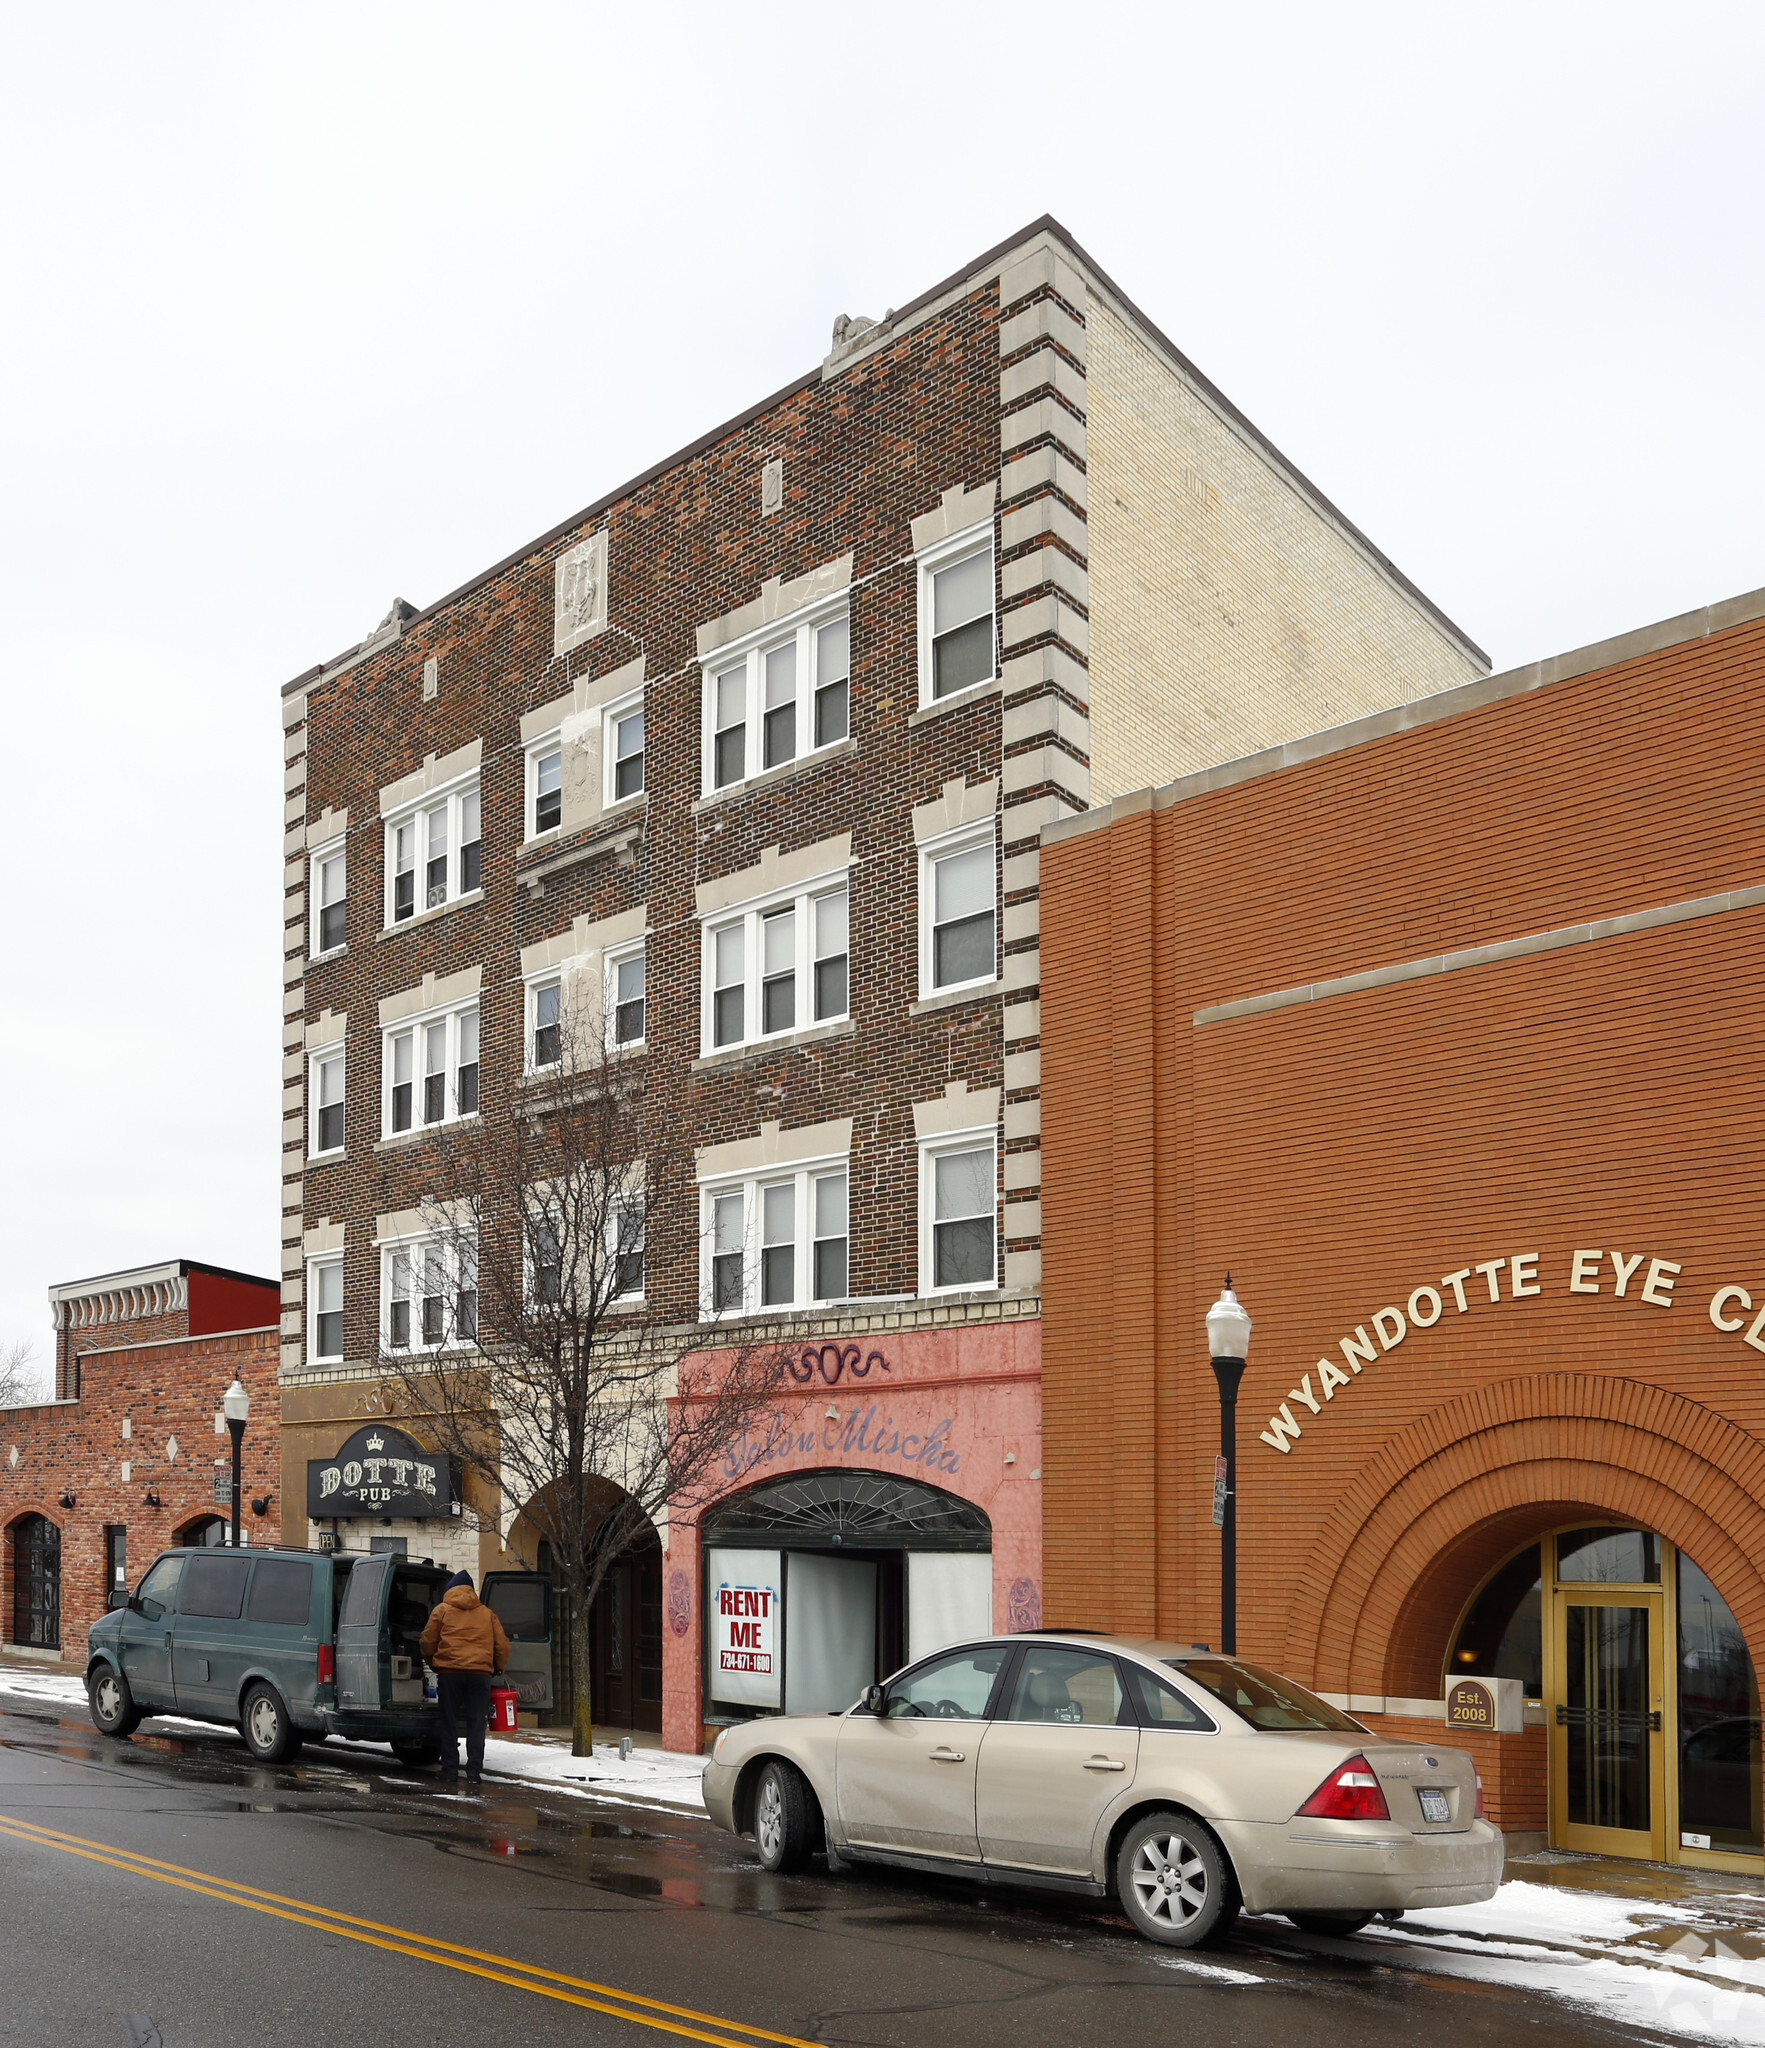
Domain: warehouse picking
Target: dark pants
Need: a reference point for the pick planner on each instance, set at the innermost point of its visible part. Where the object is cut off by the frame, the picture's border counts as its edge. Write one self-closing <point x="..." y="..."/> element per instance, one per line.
<point x="465" y="1705"/>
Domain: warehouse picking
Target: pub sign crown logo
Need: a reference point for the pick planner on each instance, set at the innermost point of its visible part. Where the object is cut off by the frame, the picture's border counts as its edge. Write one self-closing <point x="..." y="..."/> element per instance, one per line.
<point x="381" y="1471"/>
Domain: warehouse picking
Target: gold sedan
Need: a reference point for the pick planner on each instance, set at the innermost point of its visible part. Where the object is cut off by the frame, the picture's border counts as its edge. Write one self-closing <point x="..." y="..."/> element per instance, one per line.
<point x="1191" y="1785"/>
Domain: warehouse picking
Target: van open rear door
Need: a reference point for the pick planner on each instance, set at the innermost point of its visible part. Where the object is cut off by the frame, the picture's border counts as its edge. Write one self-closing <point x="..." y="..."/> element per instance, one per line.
<point x="361" y="1675"/>
<point x="522" y="1602"/>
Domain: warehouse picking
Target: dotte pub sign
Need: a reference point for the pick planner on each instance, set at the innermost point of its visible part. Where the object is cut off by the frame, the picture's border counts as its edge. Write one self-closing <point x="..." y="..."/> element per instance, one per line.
<point x="381" y="1471"/>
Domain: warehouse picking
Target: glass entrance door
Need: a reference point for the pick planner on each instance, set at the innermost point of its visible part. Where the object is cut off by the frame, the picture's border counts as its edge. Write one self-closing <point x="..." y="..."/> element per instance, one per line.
<point x="1607" y="1716"/>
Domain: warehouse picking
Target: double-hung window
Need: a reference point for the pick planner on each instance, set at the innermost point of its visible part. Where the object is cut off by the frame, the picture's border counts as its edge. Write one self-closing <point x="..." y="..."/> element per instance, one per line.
<point x="958" y="1204"/>
<point x="545" y="788"/>
<point x="958" y="895"/>
<point x="324" y="1283"/>
<point x="776" y="1240"/>
<point x="545" y="1035"/>
<point x="434" y="853"/>
<point x="625" y="997"/>
<point x="784" y="694"/>
<point x="956" y="602"/>
<point x="623" y="750"/>
<point x="429" y="1294"/>
<point x="430" y="1071"/>
<point x="776" y="967"/>
<point x="330" y="890"/>
<point x="625" y="1248"/>
<point x="326" y="1078"/>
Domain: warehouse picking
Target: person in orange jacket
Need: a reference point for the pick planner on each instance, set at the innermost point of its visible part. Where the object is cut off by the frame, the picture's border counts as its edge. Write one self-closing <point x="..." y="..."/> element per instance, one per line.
<point x="467" y="1647"/>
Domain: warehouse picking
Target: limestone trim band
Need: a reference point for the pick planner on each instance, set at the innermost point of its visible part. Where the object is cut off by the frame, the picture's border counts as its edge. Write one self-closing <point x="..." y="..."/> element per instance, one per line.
<point x="1483" y="956"/>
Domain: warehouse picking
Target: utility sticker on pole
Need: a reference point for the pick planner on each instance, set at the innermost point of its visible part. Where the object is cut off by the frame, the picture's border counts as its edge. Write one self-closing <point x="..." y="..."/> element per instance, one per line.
<point x="1219" y="1493"/>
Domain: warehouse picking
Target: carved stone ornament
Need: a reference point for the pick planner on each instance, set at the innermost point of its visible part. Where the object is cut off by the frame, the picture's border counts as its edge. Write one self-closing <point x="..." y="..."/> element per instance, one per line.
<point x="581" y="594"/>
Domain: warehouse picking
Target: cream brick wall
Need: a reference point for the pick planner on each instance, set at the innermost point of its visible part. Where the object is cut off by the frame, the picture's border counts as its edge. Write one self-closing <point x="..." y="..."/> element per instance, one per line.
<point x="1228" y="613"/>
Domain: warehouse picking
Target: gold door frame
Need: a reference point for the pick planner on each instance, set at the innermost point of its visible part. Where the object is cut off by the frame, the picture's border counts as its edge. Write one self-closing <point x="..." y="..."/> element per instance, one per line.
<point x="1649" y="1843"/>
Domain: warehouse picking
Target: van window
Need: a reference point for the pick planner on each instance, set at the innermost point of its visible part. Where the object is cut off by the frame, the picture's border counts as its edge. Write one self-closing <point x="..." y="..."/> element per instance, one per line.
<point x="361" y="1597"/>
<point x="160" y="1586"/>
<point x="215" y="1585"/>
<point x="520" y="1605"/>
<point x="281" y="1591"/>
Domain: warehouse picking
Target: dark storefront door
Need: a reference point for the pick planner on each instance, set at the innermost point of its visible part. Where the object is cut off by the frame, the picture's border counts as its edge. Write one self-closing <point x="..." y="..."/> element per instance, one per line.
<point x="627" y="1634"/>
<point x="1608" y="1732"/>
<point x="36" y="1583"/>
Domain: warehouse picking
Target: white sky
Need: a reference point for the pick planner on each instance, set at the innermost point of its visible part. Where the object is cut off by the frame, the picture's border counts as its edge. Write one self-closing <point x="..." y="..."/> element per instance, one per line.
<point x="308" y="309"/>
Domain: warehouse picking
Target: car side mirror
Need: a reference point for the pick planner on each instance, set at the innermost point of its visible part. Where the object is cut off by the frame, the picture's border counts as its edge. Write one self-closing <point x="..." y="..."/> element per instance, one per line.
<point x="873" y="1699"/>
<point x="119" y="1597"/>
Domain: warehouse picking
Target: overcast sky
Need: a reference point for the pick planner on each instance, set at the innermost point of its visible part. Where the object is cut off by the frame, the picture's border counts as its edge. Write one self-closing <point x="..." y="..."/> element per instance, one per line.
<point x="308" y="309"/>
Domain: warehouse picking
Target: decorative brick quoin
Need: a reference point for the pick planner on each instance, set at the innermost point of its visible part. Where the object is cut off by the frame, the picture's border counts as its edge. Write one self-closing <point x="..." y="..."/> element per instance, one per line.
<point x="804" y="693"/>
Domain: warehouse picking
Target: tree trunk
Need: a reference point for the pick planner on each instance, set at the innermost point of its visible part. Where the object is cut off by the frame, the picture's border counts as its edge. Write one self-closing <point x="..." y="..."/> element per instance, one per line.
<point x="581" y="1678"/>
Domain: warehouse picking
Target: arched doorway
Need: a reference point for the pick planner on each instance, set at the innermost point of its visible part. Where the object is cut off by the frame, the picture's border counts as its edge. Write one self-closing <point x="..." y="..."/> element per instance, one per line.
<point x="1646" y="1687"/>
<point x="209" y="1530"/>
<point x="36" y="1583"/>
<point x="820" y="1584"/>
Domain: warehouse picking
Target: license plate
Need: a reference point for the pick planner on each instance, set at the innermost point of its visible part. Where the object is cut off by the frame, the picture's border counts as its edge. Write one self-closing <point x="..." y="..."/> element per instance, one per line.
<point x="1435" y="1805"/>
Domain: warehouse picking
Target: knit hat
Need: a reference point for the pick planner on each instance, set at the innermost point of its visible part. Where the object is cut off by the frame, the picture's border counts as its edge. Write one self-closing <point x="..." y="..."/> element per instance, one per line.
<point x="460" y="1579"/>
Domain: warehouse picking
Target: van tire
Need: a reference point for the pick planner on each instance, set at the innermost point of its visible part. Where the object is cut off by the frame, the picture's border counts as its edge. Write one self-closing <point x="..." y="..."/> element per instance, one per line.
<point x="785" y="1830"/>
<point x="267" y="1725"/>
<point x="113" y="1707"/>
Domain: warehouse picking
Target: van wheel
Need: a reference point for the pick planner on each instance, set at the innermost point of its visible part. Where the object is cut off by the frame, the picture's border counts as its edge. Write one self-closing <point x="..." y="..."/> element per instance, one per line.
<point x="114" y="1711"/>
<point x="1330" y="1923"/>
<point x="1174" y="1881"/>
<point x="413" y="1755"/>
<point x="268" y="1728"/>
<point x="784" y="1819"/>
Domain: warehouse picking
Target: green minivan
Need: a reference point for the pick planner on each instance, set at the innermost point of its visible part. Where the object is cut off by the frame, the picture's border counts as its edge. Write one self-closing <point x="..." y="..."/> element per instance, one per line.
<point x="281" y="1644"/>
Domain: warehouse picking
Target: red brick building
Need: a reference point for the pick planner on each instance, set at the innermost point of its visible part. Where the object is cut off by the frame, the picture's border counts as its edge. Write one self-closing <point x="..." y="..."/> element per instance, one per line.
<point x="1440" y="1032"/>
<point x="809" y="687"/>
<point x="122" y="1461"/>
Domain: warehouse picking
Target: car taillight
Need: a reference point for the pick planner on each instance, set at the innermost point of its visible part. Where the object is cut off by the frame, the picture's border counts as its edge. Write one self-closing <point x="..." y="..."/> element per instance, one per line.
<point x="1479" y="1777"/>
<point x="327" y="1664"/>
<point x="1350" y="1792"/>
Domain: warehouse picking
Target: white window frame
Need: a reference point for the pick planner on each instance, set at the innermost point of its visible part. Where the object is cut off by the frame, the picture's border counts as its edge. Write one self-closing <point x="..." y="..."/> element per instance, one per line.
<point x="320" y="859"/>
<point x="611" y="961"/>
<point x="628" y="1198"/>
<point x="930" y="1151"/>
<point x="751" y="916"/>
<point x="449" y="1016"/>
<point x="944" y="554"/>
<point x="751" y="1186"/>
<point x="750" y="652"/>
<point x="930" y="852"/>
<point x="613" y="715"/>
<point x="451" y="797"/>
<point x="551" y="977"/>
<point x="548" y="743"/>
<point x="416" y="1248"/>
<point x="333" y="1054"/>
<point x="329" y="1262"/>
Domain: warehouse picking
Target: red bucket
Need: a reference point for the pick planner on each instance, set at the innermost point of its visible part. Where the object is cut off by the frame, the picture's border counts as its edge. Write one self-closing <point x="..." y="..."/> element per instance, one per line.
<point x="504" y="1703"/>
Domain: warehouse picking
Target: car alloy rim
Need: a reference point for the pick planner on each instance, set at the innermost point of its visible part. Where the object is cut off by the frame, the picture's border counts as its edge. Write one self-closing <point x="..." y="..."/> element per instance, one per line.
<point x="1170" y="1879"/>
<point x="771" y="1817"/>
<point x="263" y="1723"/>
<point x="110" y="1698"/>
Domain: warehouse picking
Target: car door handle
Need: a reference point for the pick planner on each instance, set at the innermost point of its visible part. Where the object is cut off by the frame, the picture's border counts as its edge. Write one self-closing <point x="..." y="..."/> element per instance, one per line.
<point x="1103" y="1763"/>
<point x="946" y="1756"/>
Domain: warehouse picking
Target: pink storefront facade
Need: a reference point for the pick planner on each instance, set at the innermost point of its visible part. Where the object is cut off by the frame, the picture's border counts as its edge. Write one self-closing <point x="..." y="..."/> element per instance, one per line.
<point x="889" y="1502"/>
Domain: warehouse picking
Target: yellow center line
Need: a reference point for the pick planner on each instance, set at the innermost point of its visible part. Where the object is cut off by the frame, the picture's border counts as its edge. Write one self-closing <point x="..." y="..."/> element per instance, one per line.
<point x="425" y="1948"/>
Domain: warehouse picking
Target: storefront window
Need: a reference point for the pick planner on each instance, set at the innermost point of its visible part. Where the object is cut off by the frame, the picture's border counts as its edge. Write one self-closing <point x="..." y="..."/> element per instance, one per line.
<point x="1502" y="1636"/>
<point x="1608" y="1557"/>
<point x="1719" y="1787"/>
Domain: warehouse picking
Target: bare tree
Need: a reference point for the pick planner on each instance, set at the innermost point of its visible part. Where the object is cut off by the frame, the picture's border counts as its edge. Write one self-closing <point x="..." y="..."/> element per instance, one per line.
<point x="20" y="1382"/>
<point x="522" y="1334"/>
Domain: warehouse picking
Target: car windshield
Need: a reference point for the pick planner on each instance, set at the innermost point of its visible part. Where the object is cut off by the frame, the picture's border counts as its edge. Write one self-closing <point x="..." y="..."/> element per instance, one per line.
<point x="1263" y="1700"/>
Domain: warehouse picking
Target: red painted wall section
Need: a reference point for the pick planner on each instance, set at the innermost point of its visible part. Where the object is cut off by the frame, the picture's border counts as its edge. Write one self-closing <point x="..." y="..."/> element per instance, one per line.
<point x="220" y="1303"/>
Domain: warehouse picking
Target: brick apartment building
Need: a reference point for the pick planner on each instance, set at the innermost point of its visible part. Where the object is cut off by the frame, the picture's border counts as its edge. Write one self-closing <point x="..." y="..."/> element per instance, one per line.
<point x="121" y="1460"/>
<point x="1441" y="1034"/>
<point x="755" y="752"/>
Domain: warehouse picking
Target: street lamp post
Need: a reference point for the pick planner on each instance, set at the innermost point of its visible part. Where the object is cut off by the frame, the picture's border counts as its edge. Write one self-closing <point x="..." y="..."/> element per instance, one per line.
<point x="236" y="1407"/>
<point x="1228" y="1345"/>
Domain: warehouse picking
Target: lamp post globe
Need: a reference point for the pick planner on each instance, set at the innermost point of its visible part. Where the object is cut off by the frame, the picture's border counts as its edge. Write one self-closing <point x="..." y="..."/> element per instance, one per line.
<point x="1228" y="1346"/>
<point x="236" y="1407"/>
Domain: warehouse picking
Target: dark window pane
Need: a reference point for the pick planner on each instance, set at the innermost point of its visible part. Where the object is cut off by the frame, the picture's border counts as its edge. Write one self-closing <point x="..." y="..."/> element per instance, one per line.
<point x="331" y="926"/>
<point x="730" y="754"/>
<point x="726" y="1020"/>
<point x="214" y="1586"/>
<point x="778" y="1267"/>
<point x="1502" y="1636"/>
<point x="781" y="734"/>
<point x="963" y="951"/>
<point x="831" y="713"/>
<point x="1719" y="1779"/>
<point x="399" y="1326"/>
<point x="963" y="1253"/>
<point x="401" y="1106"/>
<point x="778" y="998"/>
<point x="628" y="1022"/>
<point x="434" y="1324"/>
<point x="331" y="1127"/>
<point x="331" y="1333"/>
<point x="361" y="1595"/>
<point x="830" y="987"/>
<point x="628" y="1273"/>
<point x="546" y="1046"/>
<point x="468" y="1088"/>
<point x="437" y="877"/>
<point x="404" y="895"/>
<point x="548" y="808"/>
<point x="1161" y="1705"/>
<point x="830" y="1269"/>
<point x="1626" y="1557"/>
<point x="281" y="1592"/>
<point x="726" y="1280"/>
<point x="434" y="1097"/>
<point x="471" y="866"/>
<point x="963" y="657"/>
<point x="628" y="776"/>
<point x="466" y="1325"/>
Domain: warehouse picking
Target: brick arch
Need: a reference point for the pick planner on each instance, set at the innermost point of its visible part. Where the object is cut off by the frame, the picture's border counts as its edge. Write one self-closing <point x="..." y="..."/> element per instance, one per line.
<point x="1444" y="1500"/>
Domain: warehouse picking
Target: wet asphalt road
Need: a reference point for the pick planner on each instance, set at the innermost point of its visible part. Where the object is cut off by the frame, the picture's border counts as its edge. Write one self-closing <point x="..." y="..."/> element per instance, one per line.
<point x="647" y="1904"/>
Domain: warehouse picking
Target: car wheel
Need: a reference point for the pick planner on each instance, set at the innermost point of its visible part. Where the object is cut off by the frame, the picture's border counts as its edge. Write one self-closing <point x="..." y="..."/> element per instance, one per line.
<point x="413" y="1755"/>
<point x="114" y="1711"/>
<point x="784" y="1819"/>
<point x="1174" y="1881"/>
<point x="268" y="1728"/>
<point x="1330" y="1923"/>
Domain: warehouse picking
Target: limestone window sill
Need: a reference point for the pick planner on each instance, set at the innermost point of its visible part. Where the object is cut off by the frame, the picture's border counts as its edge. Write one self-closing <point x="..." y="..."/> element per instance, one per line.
<point x="782" y="1041"/>
<point x="423" y="917"/>
<point x="954" y="998"/>
<point x="957" y="700"/>
<point x="839" y="751"/>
